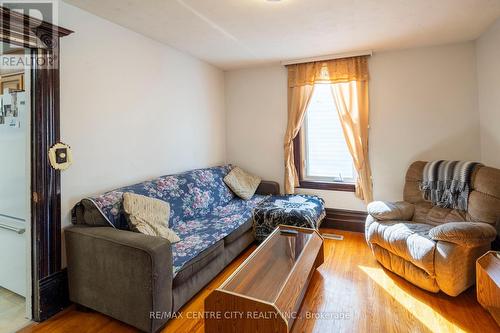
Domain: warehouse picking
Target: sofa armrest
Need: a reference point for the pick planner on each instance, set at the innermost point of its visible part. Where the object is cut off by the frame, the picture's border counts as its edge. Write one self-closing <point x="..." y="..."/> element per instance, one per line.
<point x="123" y="274"/>
<point x="268" y="188"/>
<point x="385" y="210"/>
<point x="468" y="234"/>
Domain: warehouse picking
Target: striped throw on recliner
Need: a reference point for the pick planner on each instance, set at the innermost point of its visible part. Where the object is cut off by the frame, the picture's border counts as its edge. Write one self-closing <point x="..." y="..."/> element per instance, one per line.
<point x="435" y="247"/>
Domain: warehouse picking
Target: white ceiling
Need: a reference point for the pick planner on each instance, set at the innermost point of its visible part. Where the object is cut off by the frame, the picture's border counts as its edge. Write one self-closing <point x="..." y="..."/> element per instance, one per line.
<point x="241" y="33"/>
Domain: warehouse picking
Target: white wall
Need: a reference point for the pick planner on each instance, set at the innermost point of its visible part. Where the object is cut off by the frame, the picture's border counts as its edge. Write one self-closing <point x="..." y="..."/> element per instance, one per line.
<point x="488" y="72"/>
<point x="132" y="109"/>
<point x="256" y="111"/>
<point x="423" y="106"/>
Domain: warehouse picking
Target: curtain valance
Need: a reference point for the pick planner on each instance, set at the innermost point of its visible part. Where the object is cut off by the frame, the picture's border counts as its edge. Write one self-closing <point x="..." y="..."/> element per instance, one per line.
<point x="329" y="71"/>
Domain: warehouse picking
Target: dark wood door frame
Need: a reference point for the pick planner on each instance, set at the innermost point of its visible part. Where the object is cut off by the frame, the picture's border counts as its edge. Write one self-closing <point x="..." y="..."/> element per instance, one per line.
<point x="49" y="289"/>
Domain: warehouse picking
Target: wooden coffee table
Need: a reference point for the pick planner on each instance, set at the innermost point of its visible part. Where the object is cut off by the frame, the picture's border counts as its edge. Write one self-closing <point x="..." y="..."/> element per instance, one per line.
<point x="488" y="283"/>
<point x="264" y="294"/>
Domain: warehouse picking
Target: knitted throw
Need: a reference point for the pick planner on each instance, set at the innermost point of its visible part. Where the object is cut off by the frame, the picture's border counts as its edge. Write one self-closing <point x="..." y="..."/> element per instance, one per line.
<point x="447" y="183"/>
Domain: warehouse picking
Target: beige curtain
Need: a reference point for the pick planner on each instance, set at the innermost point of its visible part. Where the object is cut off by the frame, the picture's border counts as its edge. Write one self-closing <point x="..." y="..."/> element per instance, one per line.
<point x="349" y="80"/>
<point x="298" y="100"/>
<point x="352" y="104"/>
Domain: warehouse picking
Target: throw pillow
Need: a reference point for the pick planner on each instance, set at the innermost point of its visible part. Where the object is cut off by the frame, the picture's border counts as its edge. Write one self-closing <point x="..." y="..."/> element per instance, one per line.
<point x="242" y="183"/>
<point x="148" y="216"/>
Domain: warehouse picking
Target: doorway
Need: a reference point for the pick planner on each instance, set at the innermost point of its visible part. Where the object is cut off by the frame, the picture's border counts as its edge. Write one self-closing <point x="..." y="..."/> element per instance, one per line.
<point x="15" y="190"/>
<point x="46" y="289"/>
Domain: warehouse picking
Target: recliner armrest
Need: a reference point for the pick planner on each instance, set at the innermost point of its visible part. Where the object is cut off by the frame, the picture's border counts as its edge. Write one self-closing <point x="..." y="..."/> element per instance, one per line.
<point x="268" y="188"/>
<point x="468" y="234"/>
<point x="388" y="211"/>
<point x="123" y="274"/>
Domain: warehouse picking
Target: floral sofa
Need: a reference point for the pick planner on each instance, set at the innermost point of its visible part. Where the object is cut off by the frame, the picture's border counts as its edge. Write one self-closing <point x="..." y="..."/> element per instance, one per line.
<point x="143" y="280"/>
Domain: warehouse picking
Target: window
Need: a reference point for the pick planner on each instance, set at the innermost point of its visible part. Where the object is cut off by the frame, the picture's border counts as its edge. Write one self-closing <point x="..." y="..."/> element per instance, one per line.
<point x="325" y="160"/>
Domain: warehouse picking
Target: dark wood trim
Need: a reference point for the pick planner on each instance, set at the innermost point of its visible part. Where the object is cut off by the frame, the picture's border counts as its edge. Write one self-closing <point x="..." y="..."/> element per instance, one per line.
<point x="317" y="185"/>
<point x="26" y="31"/>
<point x="350" y="220"/>
<point x="344" y="187"/>
<point x="19" y="20"/>
<point x="53" y="294"/>
<point x="49" y="288"/>
<point x="45" y="182"/>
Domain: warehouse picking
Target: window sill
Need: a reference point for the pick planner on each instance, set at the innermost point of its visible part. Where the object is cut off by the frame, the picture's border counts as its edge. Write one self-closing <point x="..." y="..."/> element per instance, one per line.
<point x="344" y="187"/>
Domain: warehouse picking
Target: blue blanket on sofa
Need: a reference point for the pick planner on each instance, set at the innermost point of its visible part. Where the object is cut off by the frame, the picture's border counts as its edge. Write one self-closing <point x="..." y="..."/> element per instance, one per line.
<point x="203" y="210"/>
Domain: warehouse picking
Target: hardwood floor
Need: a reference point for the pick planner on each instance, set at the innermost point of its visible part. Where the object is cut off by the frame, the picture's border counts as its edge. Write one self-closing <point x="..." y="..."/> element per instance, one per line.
<point x="350" y="292"/>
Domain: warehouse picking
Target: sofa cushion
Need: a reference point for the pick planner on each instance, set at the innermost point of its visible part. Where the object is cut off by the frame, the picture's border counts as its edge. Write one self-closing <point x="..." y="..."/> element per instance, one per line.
<point x="426" y="213"/>
<point x="86" y="213"/>
<point x="385" y="210"/>
<point x="414" y="175"/>
<point x="205" y="191"/>
<point x="242" y="183"/>
<point x="421" y="210"/>
<point x="468" y="234"/>
<point x="184" y="291"/>
<point x="484" y="208"/>
<point x="440" y="215"/>
<point x="194" y="265"/>
<point x="410" y="241"/>
<point x="233" y="249"/>
<point x="245" y="227"/>
<point x="200" y="233"/>
<point x="148" y="216"/>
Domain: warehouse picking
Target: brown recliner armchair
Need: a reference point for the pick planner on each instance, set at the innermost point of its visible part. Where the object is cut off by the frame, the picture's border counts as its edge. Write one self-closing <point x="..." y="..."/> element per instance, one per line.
<point x="435" y="248"/>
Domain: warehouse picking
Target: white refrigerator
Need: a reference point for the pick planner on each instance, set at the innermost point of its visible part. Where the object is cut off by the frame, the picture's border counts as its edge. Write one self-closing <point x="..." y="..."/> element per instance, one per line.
<point x="14" y="191"/>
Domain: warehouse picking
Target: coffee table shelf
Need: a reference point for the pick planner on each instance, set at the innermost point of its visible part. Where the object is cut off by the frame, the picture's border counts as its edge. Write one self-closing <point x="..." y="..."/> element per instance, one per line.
<point x="264" y="294"/>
